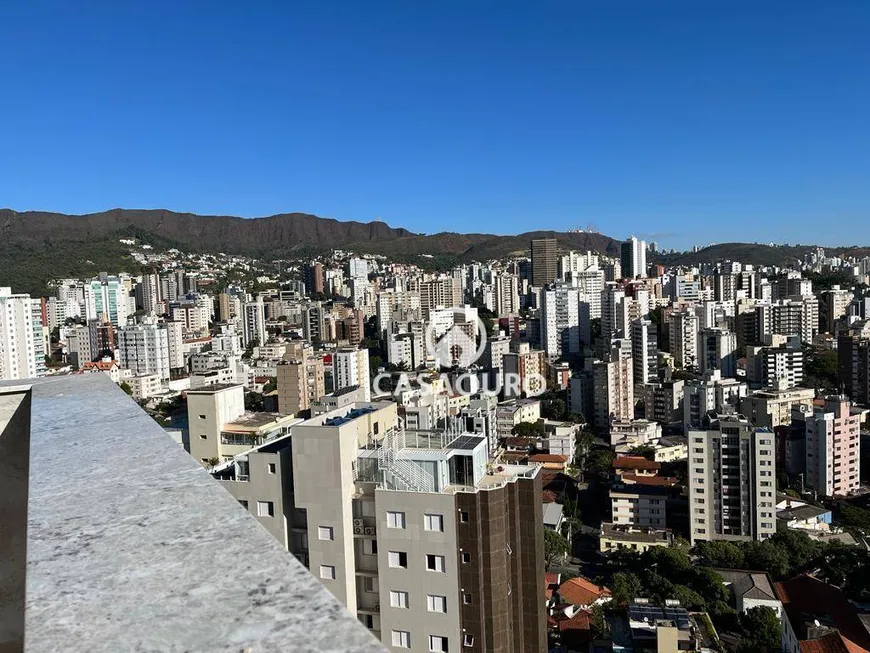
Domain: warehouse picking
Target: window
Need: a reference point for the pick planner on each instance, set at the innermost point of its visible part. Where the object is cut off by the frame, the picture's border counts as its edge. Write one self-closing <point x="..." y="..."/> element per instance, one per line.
<point x="437" y="644"/>
<point x="202" y="417"/>
<point x="463" y="516"/>
<point x="465" y="557"/>
<point x="370" y="584"/>
<point x="265" y="509"/>
<point x="398" y="559"/>
<point x="368" y="620"/>
<point x="395" y="519"/>
<point x="270" y="468"/>
<point x="327" y="572"/>
<point x="435" y="603"/>
<point x="202" y="436"/>
<point x="434" y="563"/>
<point x="243" y="504"/>
<point x="399" y="599"/>
<point x="325" y="533"/>
<point x="433" y="523"/>
<point x="370" y="547"/>
<point x="468" y="640"/>
<point x="466" y="598"/>
<point x="401" y="639"/>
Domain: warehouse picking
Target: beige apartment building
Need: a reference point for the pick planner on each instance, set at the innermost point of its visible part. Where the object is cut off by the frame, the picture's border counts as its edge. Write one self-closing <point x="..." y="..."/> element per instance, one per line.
<point x="300" y="379"/>
<point x="432" y="546"/>
<point x="732" y="481"/>
<point x="771" y="407"/>
<point x="221" y="428"/>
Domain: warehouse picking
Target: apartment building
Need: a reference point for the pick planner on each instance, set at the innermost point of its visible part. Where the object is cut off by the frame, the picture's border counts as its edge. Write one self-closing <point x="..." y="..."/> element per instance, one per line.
<point x="633" y="258"/>
<point x="431" y="546"/>
<point x="663" y="402"/>
<point x="444" y="292"/>
<point x="644" y="351"/>
<point x="515" y="411"/>
<point x="145" y="349"/>
<point x="560" y="320"/>
<point x="300" y="379"/>
<point x="732" y="481"/>
<point x="351" y="368"/>
<point x="506" y="294"/>
<point x="544" y="261"/>
<point x="528" y="366"/>
<point x="710" y="393"/>
<point x="717" y="350"/>
<point x="853" y="362"/>
<point x="108" y="298"/>
<point x="683" y="337"/>
<point x="771" y="407"/>
<point x="220" y="428"/>
<point x="638" y="504"/>
<point x="254" y="322"/>
<point x="613" y="391"/>
<point x="767" y="365"/>
<point x="21" y="336"/>
<point x="831" y="434"/>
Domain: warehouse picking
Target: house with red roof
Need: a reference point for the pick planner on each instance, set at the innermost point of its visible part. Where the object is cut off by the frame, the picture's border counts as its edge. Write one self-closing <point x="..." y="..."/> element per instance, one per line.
<point x="819" y="618"/>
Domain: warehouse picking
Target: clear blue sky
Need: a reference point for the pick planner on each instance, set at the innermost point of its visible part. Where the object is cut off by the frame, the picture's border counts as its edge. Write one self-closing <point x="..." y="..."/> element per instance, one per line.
<point x="699" y="121"/>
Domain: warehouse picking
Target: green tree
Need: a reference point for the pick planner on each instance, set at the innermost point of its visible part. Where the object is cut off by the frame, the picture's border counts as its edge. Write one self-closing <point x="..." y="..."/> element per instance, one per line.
<point x="719" y="553"/>
<point x="599" y="462"/>
<point x="555" y="546"/>
<point x="528" y="430"/>
<point x="599" y="625"/>
<point x="767" y="557"/>
<point x="126" y="387"/>
<point x="555" y="409"/>
<point x="625" y="586"/>
<point x="270" y="385"/>
<point x="760" y="628"/>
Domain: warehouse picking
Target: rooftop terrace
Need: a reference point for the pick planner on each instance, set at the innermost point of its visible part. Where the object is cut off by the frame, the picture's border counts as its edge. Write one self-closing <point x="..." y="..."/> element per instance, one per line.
<point x="132" y="546"/>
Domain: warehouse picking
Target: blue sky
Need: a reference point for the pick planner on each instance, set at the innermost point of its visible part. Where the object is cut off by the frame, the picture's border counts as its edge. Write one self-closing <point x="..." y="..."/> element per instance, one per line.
<point x="696" y="121"/>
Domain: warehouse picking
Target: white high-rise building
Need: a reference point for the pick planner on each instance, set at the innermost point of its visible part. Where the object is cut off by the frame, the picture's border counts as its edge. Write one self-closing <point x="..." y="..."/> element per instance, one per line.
<point x="644" y="351"/>
<point x="718" y="351"/>
<point x="506" y="295"/>
<point x="358" y="268"/>
<point x="144" y="349"/>
<point x="351" y="367"/>
<point x="684" y="339"/>
<point x="732" y="481"/>
<point x="560" y="320"/>
<point x="254" y="324"/>
<point x="21" y="339"/>
<point x="633" y="258"/>
<point x="107" y="298"/>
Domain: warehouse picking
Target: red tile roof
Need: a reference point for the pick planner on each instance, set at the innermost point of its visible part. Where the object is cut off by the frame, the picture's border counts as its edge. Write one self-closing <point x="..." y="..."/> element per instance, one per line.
<point x="580" y="621"/>
<point x="548" y="458"/>
<point x="580" y="591"/>
<point x="635" y="462"/>
<point x="659" y="481"/>
<point x="807" y="594"/>
<point x="832" y="643"/>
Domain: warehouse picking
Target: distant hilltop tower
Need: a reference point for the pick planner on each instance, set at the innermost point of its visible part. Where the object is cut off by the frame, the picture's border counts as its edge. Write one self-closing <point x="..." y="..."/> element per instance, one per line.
<point x="590" y="228"/>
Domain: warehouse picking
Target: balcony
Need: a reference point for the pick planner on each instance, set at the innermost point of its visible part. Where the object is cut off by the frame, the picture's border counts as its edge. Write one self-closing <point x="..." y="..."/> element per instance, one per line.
<point x="132" y="545"/>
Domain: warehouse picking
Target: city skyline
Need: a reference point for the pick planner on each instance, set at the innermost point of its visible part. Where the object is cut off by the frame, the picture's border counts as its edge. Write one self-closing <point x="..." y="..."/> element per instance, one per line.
<point x="681" y="124"/>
